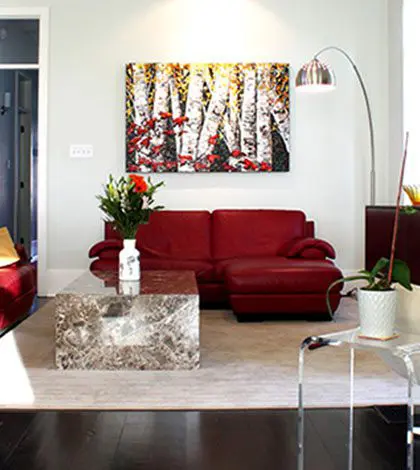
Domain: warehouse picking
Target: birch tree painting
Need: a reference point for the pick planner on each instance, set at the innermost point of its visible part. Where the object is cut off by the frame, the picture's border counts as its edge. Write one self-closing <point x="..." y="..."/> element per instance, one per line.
<point x="191" y="118"/>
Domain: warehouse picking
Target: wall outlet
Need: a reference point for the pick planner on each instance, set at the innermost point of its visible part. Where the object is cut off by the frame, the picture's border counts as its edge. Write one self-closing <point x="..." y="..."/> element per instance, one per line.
<point x="81" y="151"/>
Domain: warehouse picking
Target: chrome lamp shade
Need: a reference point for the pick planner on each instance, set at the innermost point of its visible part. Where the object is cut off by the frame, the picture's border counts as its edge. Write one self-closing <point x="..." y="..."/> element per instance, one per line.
<point x="315" y="76"/>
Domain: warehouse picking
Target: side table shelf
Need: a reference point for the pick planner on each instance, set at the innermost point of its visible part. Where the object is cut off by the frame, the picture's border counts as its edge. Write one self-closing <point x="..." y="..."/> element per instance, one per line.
<point x="404" y="347"/>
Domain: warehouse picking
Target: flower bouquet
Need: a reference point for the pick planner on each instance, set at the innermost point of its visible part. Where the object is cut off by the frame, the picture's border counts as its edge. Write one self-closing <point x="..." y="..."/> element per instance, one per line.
<point x="127" y="203"/>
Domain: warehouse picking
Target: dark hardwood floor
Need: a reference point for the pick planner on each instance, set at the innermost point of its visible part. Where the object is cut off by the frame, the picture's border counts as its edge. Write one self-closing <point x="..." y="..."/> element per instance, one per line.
<point x="222" y="440"/>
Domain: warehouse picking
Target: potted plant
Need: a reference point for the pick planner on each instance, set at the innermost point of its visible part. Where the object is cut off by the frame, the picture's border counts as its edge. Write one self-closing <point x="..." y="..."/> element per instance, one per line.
<point x="127" y="203"/>
<point x="378" y="299"/>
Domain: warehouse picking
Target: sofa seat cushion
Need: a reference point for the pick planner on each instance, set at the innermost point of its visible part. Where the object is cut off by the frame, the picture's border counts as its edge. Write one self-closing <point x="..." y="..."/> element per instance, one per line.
<point x="221" y="266"/>
<point x="280" y="275"/>
<point x="203" y="269"/>
<point x="15" y="281"/>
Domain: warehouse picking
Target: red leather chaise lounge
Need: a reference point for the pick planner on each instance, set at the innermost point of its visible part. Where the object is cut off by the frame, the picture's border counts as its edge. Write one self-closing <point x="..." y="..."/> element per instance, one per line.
<point x="254" y="261"/>
<point x="17" y="289"/>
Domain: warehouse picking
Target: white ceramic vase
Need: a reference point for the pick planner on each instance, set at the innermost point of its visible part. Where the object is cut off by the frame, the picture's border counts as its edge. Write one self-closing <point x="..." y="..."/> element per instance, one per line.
<point x="129" y="262"/>
<point x="129" y="288"/>
<point x="377" y="311"/>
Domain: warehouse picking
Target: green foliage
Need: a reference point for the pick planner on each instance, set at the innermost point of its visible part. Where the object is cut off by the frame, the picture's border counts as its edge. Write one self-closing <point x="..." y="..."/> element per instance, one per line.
<point x="408" y="210"/>
<point x="377" y="278"/>
<point x="127" y="204"/>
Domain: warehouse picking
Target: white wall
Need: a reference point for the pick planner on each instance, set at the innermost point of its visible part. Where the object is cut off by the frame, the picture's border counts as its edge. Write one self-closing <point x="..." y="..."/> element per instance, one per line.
<point x="90" y="41"/>
<point x="411" y="88"/>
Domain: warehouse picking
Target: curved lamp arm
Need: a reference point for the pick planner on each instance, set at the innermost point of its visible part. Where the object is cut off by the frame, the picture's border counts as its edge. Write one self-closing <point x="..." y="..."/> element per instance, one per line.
<point x="369" y="114"/>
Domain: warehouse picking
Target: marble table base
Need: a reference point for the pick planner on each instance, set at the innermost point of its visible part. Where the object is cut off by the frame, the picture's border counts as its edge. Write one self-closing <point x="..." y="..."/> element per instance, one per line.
<point x="145" y="332"/>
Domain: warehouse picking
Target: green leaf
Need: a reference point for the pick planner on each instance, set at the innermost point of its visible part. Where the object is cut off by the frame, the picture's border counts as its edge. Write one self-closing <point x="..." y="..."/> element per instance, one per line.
<point x="381" y="264"/>
<point x="401" y="274"/>
<point x="408" y="210"/>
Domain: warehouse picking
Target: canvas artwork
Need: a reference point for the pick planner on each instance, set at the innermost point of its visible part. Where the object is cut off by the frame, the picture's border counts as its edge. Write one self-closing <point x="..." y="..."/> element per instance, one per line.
<point x="207" y="117"/>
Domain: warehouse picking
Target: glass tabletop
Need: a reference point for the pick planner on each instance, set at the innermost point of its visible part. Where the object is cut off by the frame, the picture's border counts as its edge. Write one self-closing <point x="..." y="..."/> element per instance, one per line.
<point x="151" y="283"/>
<point x="401" y="345"/>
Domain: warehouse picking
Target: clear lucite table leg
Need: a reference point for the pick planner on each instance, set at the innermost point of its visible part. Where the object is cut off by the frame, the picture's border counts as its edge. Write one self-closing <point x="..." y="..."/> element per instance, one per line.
<point x="312" y="343"/>
<point x="404" y="352"/>
<point x="410" y="411"/>
<point x="351" y="411"/>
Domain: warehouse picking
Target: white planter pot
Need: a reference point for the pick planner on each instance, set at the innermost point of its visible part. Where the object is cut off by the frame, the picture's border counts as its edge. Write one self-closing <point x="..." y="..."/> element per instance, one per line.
<point x="129" y="262"/>
<point x="377" y="313"/>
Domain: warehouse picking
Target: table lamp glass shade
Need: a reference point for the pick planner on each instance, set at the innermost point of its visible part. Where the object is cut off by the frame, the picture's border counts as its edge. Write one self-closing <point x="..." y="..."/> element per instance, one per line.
<point x="315" y="76"/>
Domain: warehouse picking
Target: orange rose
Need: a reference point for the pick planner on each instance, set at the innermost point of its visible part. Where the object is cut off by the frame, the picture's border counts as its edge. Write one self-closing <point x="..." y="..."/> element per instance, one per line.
<point x="140" y="183"/>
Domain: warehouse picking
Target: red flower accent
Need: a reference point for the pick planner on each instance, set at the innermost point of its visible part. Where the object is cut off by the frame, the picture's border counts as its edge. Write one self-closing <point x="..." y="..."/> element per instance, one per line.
<point x="133" y="167"/>
<point x="212" y="158"/>
<point x="184" y="159"/>
<point x="237" y="153"/>
<point x="131" y="128"/>
<point x="170" y="132"/>
<point x="170" y="165"/>
<point x="213" y="139"/>
<point x="151" y="123"/>
<point x="157" y="148"/>
<point x="265" y="166"/>
<point x="249" y="165"/>
<point x="145" y="142"/>
<point x="141" y="130"/>
<point x="200" y="166"/>
<point x="165" y="115"/>
<point x="228" y="167"/>
<point x="144" y="161"/>
<point x="140" y="183"/>
<point x="180" y="120"/>
<point x="157" y="165"/>
<point x="135" y="140"/>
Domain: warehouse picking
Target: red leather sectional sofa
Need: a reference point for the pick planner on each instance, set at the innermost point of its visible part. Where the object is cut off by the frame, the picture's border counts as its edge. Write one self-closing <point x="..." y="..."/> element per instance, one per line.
<point x="17" y="289"/>
<point x="255" y="261"/>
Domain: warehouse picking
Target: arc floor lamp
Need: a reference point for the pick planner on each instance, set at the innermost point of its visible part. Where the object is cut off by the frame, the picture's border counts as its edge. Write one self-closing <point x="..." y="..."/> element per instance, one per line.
<point x="317" y="76"/>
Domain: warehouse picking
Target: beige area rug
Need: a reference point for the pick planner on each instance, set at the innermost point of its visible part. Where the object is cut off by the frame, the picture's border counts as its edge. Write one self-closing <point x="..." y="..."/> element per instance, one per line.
<point x="243" y="365"/>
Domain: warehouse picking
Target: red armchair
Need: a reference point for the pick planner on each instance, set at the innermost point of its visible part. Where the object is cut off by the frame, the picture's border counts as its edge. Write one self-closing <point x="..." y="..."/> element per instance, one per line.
<point x="255" y="261"/>
<point x="17" y="289"/>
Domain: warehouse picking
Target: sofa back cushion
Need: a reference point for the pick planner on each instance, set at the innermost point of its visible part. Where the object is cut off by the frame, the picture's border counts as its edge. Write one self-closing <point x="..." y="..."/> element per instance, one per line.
<point x="176" y="235"/>
<point x="245" y="233"/>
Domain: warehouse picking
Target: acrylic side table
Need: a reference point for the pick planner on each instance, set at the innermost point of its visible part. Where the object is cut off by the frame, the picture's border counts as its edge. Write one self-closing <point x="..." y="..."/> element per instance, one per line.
<point x="403" y="347"/>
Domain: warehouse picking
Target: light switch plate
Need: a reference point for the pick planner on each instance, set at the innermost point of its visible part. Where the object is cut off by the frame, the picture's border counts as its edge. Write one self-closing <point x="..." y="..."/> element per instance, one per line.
<point x="81" y="151"/>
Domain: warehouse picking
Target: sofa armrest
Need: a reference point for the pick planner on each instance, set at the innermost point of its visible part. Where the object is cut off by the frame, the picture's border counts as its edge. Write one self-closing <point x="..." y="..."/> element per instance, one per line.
<point x="105" y="248"/>
<point x="310" y="248"/>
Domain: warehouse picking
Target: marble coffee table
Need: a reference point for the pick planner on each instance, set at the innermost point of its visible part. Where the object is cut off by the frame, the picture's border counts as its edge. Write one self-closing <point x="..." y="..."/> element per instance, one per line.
<point x="102" y="323"/>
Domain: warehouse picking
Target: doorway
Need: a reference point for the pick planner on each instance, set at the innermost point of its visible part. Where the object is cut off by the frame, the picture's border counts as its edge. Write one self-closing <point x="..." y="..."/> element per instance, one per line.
<point x="26" y="151"/>
<point x="29" y="61"/>
<point x="19" y="43"/>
